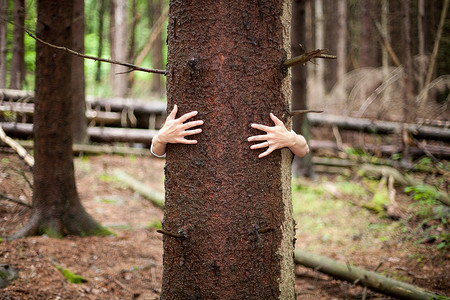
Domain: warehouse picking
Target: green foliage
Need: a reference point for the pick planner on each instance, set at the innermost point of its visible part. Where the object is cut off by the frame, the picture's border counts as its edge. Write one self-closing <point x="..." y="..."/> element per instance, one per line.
<point x="101" y="231"/>
<point x="71" y="277"/>
<point x="426" y="196"/>
<point x="1" y="240"/>
<point x="154" y="224"/>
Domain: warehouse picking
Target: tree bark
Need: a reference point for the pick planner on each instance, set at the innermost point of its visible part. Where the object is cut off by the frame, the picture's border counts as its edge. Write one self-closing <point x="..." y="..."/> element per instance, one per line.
<point x="18" y="52"/>
<point x="119" y="29"/>
<point x="79" y="122"/>
<point x="368" y="54"/>
<point x="341" y="48"/>
<point x="57" y="209"/>
<point x="232" y="209"/>
<point x="101" y="14"/>
<point x="155" y="9"/>
<point x="3" y="41"/>
<point x="300" y="166"/>
<point x="319" y="18"/>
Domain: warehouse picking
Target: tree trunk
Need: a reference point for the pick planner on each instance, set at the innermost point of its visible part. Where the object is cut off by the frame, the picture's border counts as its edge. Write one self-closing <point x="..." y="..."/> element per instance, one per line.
<point x="57" y="209"/>
<point x="79" y="122"/>
<point x="301" y="166"/>
<point x="101" y="14"/>
<point x="18" y="60"/>
<point x="118" y="41"/>
<point x="320" y="44"/>
<point x="368" y="52"/>
<point x="155" y="9"/>
<point x="132" y="42"/>
<point x="409" y="106"/>
<point x="3" y="41"/>
<point x="232" y="210"/>
<point x="341" y="48"/>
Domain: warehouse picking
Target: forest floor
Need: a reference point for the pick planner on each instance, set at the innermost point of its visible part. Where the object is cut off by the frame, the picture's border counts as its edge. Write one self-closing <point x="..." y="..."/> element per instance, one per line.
<point x="329" y="219"/>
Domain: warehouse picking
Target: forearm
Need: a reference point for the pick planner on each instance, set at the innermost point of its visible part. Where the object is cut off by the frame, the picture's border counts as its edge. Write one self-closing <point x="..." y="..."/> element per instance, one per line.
<point x="299" y="145"/>
<point x="158" y="147"/>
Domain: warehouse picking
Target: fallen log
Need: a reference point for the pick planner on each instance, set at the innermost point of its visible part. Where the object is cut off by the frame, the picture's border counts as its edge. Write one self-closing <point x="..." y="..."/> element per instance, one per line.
<point x="100" y="149"/>
<point x="155" y="197"/>
<point x="377" y="126"/>
<point x="369" y="279"/>
<point x="29" y="160"/>
<point x="399" y="178"/>
<point x="96" y="134"/>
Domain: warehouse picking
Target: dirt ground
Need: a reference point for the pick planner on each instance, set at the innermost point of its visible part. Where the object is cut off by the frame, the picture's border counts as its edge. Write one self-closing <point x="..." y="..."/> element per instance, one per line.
<point x="129" y="265"/>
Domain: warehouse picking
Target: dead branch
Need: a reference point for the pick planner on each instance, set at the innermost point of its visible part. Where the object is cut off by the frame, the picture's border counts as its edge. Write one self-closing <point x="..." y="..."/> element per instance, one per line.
<point x="307" y="56"/>
<point x="6" y="197"/>
<point x="435" y="50"/>
<point x="29" y="160"/>
<point x="355" y="275"/>
<point x="155" y="197"/>
<point x="110" y="61"/>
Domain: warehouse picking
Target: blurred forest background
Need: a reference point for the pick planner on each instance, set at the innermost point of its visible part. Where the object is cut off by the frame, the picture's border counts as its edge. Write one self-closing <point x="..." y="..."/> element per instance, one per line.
<point x="384" y="196"/>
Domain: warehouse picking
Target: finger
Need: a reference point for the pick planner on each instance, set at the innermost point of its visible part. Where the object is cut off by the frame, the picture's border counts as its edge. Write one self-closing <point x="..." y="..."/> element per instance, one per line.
<point x="192" y="124"/>
<point x="257" y="138"/>
<point x="261" y="127"/>
<point x="188" y="142"/>
<point x="275" y="120"/>
<point x="192" y="132"/>
<point x="173" y="113"/>
<point x="187" y="116"/>
<point x="265" y="153"/>
<point x="259" y="146"/>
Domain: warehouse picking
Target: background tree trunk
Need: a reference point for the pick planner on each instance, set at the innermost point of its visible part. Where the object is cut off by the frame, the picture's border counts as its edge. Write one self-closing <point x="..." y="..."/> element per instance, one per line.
<point x="233" y="209"/>
<point x="131" y="56"/>
<point x="368" y="47"/>
<point x="320" y="44"/>
<point x="18" y="61"/>
<point x="409" y="107"/>
<point x="57" y="209"/>
<point x="341" y="47"/>
<point x="300" y="166"/>
<point x="155" y="10"/>
<point x="3" y="41"/>
<point x="79" y="122"/>
<point x="101" y="14"/>
<point x="119" y="32"/>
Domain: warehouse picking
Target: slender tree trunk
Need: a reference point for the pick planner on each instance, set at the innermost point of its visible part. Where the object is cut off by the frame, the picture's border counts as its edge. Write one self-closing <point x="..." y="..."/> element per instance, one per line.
<point x="228" y="215"/>
<point x="132" y="42"/>
<point x="320" y="44"/>
<point x="300" y="166"/>
<point x="331" y="20"/>
<point x="368" y="46"/>
<point x="57" y="209"/>
<point x="119" y="32"/>
<point x="409" y="107"/>
<point x="155" y="9"/>
<point x="101" y="14"/>
<point x="3" y="41"/>
<point x="341" y="48"/>
<point x="18" y="60"/>
<point x="79" y="122"/>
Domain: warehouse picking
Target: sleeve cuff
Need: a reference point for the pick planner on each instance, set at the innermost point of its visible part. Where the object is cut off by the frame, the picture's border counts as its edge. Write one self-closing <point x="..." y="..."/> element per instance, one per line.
<point x="160" y="156"/>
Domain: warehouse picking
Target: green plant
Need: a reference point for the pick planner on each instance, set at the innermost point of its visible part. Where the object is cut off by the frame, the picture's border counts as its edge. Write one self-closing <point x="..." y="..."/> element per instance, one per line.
<point x="426" y="196"/>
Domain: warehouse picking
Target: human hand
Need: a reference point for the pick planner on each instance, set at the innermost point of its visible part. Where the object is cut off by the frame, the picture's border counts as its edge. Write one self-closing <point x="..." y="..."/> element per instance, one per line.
<point x="175" y="130"/>
<point x="277" y="137"/>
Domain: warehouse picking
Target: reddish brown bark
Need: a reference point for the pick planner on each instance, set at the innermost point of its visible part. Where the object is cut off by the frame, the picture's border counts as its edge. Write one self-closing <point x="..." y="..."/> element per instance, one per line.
<point x="301" y="166"/>
<point x="79" y="122"/>
<point x="56" y="206"/>
<point x="3" y="41"/>
<point x="18" y="60"/>
<point x="368" y="49"/>
<point x="155" y="8"/>
<point x="233" y="209"/>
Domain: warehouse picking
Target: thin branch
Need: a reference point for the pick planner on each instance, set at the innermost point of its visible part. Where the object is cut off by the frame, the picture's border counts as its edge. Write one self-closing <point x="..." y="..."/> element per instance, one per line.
<point x="435" y="50"/>
<point x="302" y="111"/>
<point x="110" y="61"/>
<point x="29" y="160"/>
<point x="15" y="200"/>
<point x="307" y="56"/>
